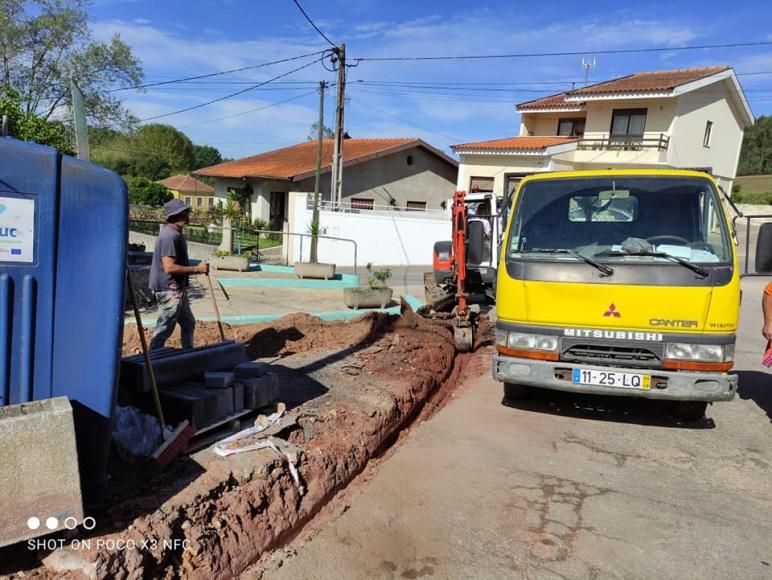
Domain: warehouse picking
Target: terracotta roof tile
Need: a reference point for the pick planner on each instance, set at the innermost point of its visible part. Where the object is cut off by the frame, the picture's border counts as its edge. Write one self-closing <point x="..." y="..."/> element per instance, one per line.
<point x="186" y="184"/>
<point x="299" y="161"/>
<point x="655" y="81"/>
<point x="516" y="143"/>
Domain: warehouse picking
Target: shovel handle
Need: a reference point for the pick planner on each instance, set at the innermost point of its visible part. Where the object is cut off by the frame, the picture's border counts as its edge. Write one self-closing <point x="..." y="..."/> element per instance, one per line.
<point x="145" y="351"/>
<point x="216" y="309"/>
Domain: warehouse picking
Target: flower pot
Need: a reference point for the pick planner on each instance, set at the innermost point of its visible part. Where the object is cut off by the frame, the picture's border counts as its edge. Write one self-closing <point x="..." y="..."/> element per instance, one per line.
<point x="318" y="271"/>
<point x="235" y="263"/>
<point x="367" y="297"/>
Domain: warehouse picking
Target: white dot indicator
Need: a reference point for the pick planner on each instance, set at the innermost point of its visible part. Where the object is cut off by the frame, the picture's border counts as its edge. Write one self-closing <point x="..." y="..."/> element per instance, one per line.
<point x="52" y="523"/>
<point x="33" y="523"/>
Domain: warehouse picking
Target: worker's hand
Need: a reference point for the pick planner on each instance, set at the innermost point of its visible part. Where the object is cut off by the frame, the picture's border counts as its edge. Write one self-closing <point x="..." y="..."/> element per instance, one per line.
<point x="201" y="268"/>
<point x="767" y="330"/>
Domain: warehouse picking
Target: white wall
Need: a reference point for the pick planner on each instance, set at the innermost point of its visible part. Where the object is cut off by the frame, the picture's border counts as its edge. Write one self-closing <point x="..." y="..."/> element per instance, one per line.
<point x="695" y="109"/>
<point x="383" y="238"/>
<point x="496" y="166"/>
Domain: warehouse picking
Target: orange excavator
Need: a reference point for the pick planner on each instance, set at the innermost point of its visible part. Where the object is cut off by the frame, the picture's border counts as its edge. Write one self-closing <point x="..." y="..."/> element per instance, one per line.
<point x="447" y="285"/>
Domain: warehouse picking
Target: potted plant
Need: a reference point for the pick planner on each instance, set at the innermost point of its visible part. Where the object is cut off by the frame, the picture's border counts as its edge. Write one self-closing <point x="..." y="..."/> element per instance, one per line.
<point x="375" y="294"/>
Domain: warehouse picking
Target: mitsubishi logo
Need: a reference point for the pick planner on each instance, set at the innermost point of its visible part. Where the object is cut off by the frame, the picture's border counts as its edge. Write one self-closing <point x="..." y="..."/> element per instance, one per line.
<point x="612" y="311"/>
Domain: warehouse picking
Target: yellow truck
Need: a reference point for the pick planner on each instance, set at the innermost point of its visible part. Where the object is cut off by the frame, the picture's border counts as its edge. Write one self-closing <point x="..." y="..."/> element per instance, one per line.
<point x="619" y="282"/>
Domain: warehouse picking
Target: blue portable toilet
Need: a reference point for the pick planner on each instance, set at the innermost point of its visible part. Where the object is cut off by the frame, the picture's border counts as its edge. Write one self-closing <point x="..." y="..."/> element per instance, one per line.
<point x="63" y="243"/>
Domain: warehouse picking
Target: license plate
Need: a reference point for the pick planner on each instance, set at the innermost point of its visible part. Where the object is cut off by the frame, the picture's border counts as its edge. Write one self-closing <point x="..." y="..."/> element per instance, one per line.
<point x="612" y="379"/>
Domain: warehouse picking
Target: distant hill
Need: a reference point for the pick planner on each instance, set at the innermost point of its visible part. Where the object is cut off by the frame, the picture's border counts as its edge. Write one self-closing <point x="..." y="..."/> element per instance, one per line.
<point x="756" y="154"/>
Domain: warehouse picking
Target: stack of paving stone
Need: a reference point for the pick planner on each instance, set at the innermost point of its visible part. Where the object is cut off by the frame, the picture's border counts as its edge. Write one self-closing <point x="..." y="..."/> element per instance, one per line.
<point x="203" y="385"/>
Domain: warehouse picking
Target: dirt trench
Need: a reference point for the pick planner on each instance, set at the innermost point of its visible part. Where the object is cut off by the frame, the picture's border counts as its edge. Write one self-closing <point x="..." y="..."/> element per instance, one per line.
<point x="220" y="516"/>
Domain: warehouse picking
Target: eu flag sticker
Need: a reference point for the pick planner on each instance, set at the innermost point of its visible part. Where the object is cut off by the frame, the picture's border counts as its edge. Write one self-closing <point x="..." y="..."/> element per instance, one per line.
<point x="577" y="377"/>
<point x="16" y="251"/>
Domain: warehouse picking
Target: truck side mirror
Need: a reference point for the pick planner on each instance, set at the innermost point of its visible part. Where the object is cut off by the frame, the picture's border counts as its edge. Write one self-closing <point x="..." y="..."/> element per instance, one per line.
<point x="764" y="250"/>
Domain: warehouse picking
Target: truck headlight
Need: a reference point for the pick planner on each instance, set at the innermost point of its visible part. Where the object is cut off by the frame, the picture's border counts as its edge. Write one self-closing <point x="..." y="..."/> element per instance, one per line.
<point x="699" y="352"/>
<point x="522" y="341"/>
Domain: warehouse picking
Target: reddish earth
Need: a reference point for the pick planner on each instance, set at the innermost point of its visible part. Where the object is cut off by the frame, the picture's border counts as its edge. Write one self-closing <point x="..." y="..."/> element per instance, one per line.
<point x="292" y="334"/>
<point x="372" y="375"/>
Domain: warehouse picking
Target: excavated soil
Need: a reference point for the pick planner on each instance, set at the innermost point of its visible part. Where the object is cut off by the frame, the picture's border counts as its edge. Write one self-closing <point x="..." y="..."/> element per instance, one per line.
<point x="292" y="334"/>
<point x="210" y="517"/>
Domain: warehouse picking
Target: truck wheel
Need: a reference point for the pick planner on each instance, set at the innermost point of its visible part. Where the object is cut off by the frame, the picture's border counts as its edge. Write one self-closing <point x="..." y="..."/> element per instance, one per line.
<point x="514" y="392"/>
<point x="690" y="410"/>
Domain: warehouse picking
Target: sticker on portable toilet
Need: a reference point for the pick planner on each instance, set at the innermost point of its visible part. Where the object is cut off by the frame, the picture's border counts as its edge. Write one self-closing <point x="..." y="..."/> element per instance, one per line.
<point x="17" y="230"/>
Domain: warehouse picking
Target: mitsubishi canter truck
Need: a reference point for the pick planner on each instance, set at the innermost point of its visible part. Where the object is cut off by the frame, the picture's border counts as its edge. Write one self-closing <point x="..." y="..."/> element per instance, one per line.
<point x="619" y="282"/>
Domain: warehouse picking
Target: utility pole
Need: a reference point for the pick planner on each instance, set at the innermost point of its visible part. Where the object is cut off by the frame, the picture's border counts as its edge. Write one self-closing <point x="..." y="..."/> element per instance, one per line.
<point x="79" y="122"/>
<point x="340" y="100"/>
<point x="317" y="181"/>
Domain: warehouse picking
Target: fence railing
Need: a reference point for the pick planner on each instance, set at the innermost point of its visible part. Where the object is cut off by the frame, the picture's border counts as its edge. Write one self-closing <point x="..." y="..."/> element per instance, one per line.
<point x="626" y="143"/>
<point x="250" y="241"/>
<point x="365" y="207"/>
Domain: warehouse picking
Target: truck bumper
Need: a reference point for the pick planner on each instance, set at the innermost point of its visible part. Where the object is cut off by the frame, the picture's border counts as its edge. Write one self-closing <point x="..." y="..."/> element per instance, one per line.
<point x="680" y="386"/>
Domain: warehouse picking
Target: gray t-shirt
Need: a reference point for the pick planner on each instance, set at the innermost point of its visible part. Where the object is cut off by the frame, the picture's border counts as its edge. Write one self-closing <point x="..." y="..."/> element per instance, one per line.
<point x="170" y="244"/>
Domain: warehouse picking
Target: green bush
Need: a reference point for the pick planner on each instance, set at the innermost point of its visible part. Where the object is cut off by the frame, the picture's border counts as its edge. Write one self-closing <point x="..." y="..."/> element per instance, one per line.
<point x="752" y="198"/>
<point x="142" y="191"/>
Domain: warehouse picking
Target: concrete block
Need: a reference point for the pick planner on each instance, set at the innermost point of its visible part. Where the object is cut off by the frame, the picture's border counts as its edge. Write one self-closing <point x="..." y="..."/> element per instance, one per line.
<point x="238" y="397"/>
<point x="38" y="469"/>
<point x="224" y="402"/>
<point x="218" y="379"/>
<point x="174" y="366"/>
<point x="251" y="370"/>
<point x="261" y="391"/>
<point x="192" y="402"/>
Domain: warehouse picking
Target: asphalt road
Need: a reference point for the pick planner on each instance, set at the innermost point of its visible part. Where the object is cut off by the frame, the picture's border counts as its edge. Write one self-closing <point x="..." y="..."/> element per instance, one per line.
<point x="566" y="486"/>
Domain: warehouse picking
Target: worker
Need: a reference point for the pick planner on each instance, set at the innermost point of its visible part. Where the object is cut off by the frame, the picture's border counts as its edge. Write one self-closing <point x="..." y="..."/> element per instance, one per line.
<point x="766" y="305"/>
<point x="169" y="272"/>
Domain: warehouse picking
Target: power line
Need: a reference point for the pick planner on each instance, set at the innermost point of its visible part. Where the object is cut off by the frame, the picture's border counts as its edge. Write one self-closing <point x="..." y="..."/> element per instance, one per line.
<point x="256" y="109"/>
<point x="369" y="106"/>
<point x="567" y="53"/>
<point x="237" y="93"/>
<point x="214" y="74"/>
<point x="311" y="22"/>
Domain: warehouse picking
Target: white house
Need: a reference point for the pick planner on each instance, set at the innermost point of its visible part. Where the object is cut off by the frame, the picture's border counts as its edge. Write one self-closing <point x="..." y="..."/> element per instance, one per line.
<point x="686" y="119"/>
<point x="393" y="173"/>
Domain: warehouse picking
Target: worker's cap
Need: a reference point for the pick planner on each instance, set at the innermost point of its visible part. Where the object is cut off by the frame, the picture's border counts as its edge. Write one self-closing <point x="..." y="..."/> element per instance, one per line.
<point x="175" y="207"/>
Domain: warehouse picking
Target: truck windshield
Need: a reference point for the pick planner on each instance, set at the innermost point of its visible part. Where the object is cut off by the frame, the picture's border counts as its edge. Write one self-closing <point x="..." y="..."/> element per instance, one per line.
<point x="618" y="218"/>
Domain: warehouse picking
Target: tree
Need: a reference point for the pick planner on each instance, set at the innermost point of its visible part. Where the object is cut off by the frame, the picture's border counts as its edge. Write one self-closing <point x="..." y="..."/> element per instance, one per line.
<point x="166" y="143"/>
<point x="29" y="126"/>
<point x="46" y="43"/>
<point x="205" y="156"/>
<point x="313" y="133"/>
<point x="142" y="191"/>
<point x="756" y="154"/>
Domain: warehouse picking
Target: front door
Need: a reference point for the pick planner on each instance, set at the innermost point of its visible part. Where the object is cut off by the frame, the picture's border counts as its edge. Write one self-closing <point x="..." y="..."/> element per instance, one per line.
<point x="278" y="210"/>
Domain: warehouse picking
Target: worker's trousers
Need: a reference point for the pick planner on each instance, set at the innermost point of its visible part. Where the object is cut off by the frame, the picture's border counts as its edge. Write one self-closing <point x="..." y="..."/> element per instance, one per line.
<point x="173" y="309"/>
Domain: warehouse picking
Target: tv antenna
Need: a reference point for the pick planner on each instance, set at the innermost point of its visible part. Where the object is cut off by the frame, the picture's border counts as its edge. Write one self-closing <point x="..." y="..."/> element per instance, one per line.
<point x="587" y="65"/>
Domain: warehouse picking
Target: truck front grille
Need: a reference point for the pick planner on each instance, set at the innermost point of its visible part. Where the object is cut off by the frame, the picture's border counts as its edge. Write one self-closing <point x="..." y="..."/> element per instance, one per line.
<point x="623" y="353"/>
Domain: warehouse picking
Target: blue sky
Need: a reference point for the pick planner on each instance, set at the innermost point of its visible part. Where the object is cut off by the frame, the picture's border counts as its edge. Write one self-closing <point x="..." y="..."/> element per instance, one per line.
<point x="176" y="38"/>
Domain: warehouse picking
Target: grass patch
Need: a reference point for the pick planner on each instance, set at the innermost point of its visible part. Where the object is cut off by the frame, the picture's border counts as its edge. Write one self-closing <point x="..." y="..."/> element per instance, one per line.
<point x="753" y="189"/>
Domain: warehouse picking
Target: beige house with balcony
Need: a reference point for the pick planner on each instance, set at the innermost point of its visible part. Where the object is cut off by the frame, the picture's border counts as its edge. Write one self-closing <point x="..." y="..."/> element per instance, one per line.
<point x="684" y="119"/>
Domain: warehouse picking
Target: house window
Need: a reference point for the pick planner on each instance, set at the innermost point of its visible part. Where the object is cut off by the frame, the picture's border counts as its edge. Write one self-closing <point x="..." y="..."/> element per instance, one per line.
<point x="189" y="200"/>
<point x="481" y="184"/>
<point x="210" y="201"/>
<point x="708" y="133"/>
<point x="416" y="206"/>
<point x="199" y="202"/>
<point x="571" y="127"/>
<point x="361" y="203"/>
<point x="628" y="122"/>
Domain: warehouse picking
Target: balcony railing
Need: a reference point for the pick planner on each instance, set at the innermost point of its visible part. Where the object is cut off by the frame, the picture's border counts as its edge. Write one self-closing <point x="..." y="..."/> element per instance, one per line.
<point x="626" y="143"/>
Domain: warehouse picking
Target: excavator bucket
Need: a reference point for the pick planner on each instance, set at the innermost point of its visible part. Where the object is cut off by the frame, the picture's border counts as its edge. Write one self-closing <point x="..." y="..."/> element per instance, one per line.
<point x="463" y="336"/>
<point x="39" y="479"/>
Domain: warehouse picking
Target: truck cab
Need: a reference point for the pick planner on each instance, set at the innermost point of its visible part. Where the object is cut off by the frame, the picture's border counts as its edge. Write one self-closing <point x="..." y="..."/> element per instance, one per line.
<point x="619" y="282"/>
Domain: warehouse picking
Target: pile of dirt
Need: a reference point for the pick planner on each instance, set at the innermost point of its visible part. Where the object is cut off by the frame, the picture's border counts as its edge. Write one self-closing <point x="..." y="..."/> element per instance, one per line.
<point x="294" y="333"/>
<point x="223" y="515"/>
